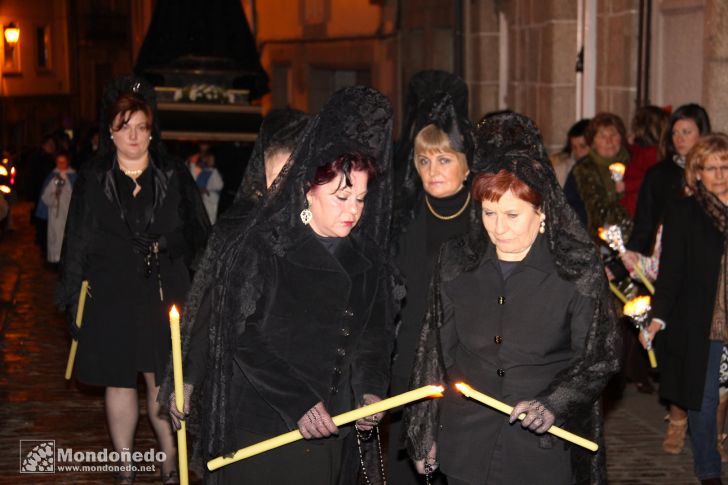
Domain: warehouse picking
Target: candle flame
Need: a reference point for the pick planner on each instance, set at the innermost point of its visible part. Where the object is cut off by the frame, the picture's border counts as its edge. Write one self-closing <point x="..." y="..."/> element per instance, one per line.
<point x="637" y="306"/>
<point x="463" y="388"/>
<point x="173" y="313"/>
<point x="617" y="167"/>
<point x="437" y="391"/>
<point x="602" y="234"/>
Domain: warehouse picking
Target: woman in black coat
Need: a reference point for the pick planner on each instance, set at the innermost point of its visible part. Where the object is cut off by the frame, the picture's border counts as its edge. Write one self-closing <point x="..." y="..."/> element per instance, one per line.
<point x="689" y="307"/>
<point x="135" y="226"/>
<point x="430" y="207"/>
<point x="296" y="324"/>
<point x="519" y="308"/>
<point x="665" y="182"/>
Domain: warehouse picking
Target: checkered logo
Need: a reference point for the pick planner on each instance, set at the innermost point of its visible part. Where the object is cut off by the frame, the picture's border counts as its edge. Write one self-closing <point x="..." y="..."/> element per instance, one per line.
<point x="37" y="456"/>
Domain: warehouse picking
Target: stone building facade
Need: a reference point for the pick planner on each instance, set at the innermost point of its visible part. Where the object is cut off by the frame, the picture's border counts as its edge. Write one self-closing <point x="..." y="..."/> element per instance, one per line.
<point x="515" y="54"/>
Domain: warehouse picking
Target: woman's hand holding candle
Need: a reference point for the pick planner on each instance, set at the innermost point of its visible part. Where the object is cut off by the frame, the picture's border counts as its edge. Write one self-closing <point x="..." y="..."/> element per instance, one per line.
<point x="538" y="418"/>
<point x="369" y="422"/>
<point x="177" y="416"/>
<point x="317" y="423"/>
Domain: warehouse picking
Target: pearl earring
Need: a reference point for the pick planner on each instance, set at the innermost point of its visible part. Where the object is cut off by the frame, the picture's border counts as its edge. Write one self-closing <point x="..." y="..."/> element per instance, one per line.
<point x="542" y="227"/>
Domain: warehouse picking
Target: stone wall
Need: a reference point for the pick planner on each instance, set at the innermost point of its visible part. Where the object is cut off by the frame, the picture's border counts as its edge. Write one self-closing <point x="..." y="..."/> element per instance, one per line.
<point x="541" y="62"/>
<point x="617" y="48"/>
<point x="715" y="68"/>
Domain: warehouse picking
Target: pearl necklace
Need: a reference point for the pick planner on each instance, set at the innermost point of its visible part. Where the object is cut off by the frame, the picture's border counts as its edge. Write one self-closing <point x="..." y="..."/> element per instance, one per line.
<point x="132" y="173"/>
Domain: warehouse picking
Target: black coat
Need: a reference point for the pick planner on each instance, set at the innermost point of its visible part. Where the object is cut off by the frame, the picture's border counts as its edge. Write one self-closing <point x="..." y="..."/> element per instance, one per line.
<point x="323" y="333"/>
<point x="509" y="339"/>
<point x="685" y="293"/>
<point x="125" y="322"/>
<point x="663" y="183"/>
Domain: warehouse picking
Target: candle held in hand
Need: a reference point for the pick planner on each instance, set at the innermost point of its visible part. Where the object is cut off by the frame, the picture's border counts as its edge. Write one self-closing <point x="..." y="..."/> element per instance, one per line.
<point x="339" y="420"/>
<point x="179" y="393"/>
<point x="471" y="393"/>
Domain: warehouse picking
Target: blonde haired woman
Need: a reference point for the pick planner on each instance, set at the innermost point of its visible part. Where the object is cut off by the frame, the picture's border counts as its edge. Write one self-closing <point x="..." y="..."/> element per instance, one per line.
<point x="689" y="307"/>
<point x="431" y="206"/>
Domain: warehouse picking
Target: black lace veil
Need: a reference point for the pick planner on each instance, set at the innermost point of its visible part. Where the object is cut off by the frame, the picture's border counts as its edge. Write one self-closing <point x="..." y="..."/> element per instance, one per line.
<point x="512" y="142"/>
<point x="281" y="129"/>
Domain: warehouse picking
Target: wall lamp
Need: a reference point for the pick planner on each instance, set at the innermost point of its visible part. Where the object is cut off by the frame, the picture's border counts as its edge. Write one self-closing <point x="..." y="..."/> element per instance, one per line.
<point x="11" y="59"/>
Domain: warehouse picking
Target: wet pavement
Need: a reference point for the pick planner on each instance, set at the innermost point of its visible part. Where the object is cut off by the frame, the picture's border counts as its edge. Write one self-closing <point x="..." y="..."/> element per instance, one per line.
<point x="37" y="405"/>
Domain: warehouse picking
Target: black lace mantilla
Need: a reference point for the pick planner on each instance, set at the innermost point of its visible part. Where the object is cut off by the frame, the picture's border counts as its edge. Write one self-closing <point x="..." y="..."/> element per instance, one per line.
<point x="512" y="142"/>
<point x="281" y="128"/>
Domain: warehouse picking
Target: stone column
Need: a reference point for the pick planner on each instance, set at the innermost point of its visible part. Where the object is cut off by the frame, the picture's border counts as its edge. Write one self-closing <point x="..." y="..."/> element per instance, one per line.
<point x="715" y="68"/>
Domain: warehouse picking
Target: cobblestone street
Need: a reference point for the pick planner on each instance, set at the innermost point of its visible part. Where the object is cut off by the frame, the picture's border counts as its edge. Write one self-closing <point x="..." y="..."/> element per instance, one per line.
<point x="37" y="403"/>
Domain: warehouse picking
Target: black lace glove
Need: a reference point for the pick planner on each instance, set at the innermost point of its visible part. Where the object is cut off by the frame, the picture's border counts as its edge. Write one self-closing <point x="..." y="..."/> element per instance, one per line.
<point x="175" y="416"/>
<point x="71" y="320"/>
<point x="144" y="242"/>
<point x="538" y="418"/>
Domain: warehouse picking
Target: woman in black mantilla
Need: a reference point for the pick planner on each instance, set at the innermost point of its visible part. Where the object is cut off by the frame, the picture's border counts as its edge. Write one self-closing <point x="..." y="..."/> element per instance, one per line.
<point x="520" y="309"/>
<point x="434" y="158"/>
<point x="136" y="226"/>
<point x="296" y="324"/>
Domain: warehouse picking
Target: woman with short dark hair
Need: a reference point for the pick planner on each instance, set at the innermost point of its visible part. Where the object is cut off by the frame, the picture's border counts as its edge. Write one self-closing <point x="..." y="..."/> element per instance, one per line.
<point x="590" y="189"/>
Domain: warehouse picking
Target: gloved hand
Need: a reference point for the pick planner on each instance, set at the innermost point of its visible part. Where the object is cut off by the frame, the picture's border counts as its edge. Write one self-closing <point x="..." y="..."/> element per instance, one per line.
<point x="71" y="320"/>
<point x="428" y="464"/>
<point x="174" y="414"/>
<point x="317" y="423"/>
<point x="365" y="424"/>
<point x="144" y="242"/>
<point x="538" y="418"/>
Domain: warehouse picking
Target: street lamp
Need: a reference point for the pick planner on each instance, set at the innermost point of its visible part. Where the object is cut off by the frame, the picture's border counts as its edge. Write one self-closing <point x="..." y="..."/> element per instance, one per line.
<point x="11" y="61"/>
<point x="12" y="34"/>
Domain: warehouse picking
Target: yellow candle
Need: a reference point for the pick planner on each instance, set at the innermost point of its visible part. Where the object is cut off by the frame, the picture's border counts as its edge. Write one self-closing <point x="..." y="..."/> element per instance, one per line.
<point x="653" y="359"/>
<point x="179" y="393"/>
<point x="468" y="391"/>
<point x="617" y="293"/>
<point x="79" y="321"/>
<point x="339" y="420"/>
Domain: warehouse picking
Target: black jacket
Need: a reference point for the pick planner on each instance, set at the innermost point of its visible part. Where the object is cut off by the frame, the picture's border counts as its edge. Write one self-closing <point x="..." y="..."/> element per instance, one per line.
<point x="125" y="314"/>
<point x="509" y="339"/>
<point x="323" y="333"/>
<point x="662" y="184"/>
<point x="685" y="293"/>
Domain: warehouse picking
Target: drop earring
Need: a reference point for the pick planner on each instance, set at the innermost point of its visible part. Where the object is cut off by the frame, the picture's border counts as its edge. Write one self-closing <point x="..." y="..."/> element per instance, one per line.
<point x="542" y="227"/>
<point x="306" y="215"/>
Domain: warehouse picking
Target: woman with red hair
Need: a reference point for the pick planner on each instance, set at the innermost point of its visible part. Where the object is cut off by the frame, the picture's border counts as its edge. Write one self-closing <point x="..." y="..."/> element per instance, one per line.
<point x="519" y="308"/>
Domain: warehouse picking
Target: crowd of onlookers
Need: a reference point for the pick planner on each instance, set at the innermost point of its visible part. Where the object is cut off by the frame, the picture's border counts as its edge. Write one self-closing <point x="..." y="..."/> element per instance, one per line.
<point x="664" y="184"/>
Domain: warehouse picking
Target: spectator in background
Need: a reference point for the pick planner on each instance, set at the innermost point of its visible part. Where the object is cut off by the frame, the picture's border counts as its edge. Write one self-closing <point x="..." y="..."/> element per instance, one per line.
<point x="39" y="166"/>
<point x="689" y="307"/>
<point x="590" y="189"/>
<point x="574" y="150"/>
<point x="665" y="181"/>
<point x="208" y="180"/>
<point x="648" y="124"/>
<point x="56" y="196"/>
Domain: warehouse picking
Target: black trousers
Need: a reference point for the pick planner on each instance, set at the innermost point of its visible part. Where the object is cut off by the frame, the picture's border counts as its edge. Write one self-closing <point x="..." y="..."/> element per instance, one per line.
<point x="302" y="462"/>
